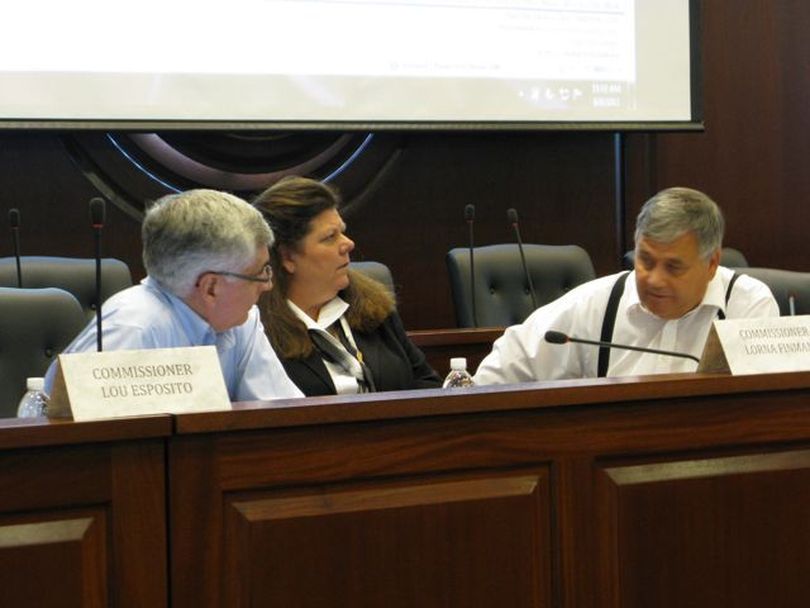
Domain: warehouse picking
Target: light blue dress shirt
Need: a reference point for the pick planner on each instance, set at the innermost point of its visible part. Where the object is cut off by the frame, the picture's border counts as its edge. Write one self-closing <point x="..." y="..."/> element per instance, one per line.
<point x="147" y="316"/>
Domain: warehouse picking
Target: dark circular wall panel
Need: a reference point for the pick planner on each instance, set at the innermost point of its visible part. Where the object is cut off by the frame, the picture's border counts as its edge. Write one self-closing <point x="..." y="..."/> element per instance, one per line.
<point x="131" y="169"/>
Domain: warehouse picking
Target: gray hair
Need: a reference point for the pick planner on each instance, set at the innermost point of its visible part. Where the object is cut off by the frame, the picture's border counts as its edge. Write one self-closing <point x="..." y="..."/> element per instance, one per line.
<point x="675" y="211"/>
<point x="187" y="234"/>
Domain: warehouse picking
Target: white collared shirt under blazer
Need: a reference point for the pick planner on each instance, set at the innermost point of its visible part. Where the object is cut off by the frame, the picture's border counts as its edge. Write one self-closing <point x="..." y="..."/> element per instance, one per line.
<point x="333" y="312"/>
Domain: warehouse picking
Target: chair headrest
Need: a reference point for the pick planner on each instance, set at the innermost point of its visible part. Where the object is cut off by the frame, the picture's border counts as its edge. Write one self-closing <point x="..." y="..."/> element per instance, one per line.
<point x="75" y="275"/>
<point x="502" y="294"/>
<point x="377" y="271"/>
<point x="784" y="284"/>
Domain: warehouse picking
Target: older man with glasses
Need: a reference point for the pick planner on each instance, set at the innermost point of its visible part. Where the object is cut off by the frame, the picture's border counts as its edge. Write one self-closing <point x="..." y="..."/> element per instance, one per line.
<point x="207" y="262"/>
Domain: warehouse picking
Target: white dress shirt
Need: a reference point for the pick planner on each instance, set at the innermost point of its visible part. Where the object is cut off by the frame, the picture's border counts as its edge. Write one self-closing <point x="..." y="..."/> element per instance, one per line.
<point x="522" y="354"/>
<point x="331" y="312"/>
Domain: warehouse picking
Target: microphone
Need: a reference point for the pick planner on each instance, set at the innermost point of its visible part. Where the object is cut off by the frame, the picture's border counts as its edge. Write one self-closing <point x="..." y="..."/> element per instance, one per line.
<point x="557" y="337"/>
<point x="97" y="222"/>
<point x="512" y="216"/>
<point x="14" y="220"/>
<point x="469" y="217"/>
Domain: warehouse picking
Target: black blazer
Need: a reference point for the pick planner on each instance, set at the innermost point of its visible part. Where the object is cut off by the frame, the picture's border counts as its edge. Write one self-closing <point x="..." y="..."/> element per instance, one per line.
<point x="394" y="361"/>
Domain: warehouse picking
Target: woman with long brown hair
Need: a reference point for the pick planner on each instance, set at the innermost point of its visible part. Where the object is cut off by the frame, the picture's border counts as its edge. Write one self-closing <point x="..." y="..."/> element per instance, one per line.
<point x="335" y="330"/>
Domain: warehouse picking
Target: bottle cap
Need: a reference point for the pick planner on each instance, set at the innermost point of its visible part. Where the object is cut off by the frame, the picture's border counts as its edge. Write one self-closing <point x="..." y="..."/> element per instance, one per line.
<point x="458" y="363"/>
<point x="34" y="384"/>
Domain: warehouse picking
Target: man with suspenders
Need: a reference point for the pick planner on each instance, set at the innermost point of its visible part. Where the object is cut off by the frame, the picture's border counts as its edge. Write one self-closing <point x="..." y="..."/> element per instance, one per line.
<point x="668" y="302"/>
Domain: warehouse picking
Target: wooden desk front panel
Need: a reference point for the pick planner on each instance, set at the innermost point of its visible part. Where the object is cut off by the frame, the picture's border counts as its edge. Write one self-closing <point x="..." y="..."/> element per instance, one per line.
<point x="82" y="525"/>
<point x="624" y="496"/>
<point x="476" y="541"/>
<point x="724" y="531"/>
<point x="356" y="516"/>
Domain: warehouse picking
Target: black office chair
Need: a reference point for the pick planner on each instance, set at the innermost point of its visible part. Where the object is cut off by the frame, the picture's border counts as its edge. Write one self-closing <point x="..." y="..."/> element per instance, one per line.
<point x="35" y="326"/>
<point x="502" y="294"/>
<point x="75" y="275"/>
<point x="732" y="258"/>
<point x="783" y="284"/>
<point x="729" y="257"/>
<point x="375" y="270"/>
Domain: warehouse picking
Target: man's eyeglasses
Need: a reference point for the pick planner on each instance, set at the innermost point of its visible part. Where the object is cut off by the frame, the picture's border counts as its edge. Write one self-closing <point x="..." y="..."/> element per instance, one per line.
<point x="265" y="275"/>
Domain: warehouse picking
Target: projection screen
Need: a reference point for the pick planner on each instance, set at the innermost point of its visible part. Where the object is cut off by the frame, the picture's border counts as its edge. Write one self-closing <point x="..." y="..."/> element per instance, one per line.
<point x="350" y="64"/>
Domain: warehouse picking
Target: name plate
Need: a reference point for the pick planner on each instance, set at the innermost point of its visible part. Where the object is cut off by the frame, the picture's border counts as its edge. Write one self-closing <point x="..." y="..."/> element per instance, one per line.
<point x="758" y="346"/>
<point x="94" y="385"/>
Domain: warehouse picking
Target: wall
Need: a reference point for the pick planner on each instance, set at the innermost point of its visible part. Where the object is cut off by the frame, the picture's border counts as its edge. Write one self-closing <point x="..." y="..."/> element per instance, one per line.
<point x="406" y="196"/>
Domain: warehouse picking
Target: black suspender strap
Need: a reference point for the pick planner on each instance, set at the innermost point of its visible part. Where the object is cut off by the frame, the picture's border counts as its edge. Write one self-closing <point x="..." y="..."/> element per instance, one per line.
<point x="720" y="313"/>
<point x="608" y="322"/>
<point x="610" y="318"/>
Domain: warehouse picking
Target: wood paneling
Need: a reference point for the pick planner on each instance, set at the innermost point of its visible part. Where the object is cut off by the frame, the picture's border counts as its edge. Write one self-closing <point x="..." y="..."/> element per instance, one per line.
<point x="405" y="544"/>
<point x="751" y="157"/>
<point x="415" y="214"/>
<point x="54" y="559"/>
<point x="82" y="513"/>
<point x="574" y="494"/>
<point x="725" y="531"/>
<point x="408" y="216"/>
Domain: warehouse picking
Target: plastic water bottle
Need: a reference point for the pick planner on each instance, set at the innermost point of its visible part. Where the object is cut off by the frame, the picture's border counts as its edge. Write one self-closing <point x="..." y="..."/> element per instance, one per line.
<point x="34" y="401"/>
<point x="458" y="377"/>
